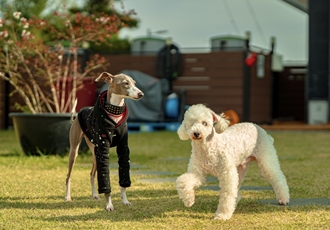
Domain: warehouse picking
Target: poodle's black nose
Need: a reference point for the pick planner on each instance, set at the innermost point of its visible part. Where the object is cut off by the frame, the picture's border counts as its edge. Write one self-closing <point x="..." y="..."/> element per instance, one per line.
<point x="197" y="134"/>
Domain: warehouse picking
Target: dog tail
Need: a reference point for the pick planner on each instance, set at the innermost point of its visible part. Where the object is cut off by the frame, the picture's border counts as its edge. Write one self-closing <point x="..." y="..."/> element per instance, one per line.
<point x="73" y="110"/>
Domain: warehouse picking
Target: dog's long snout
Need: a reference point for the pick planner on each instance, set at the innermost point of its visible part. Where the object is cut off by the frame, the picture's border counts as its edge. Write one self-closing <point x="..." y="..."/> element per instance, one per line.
<point x="140" y="94"/>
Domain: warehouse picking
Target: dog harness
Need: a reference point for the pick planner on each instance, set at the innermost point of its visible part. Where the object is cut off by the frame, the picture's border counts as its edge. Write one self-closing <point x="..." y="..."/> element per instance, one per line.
<point x="104" y="133"/>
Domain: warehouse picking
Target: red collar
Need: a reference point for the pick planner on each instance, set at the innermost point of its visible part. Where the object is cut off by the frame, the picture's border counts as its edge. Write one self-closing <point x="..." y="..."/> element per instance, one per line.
<point x="124" y="114"/>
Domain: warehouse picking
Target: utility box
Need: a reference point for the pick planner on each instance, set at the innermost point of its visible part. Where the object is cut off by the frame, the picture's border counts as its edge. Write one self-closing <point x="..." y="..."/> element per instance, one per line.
<point x="317" y="112"/>
<point x="227" y="43"/>
<point x="147" y="45"/>
<point x="277" y="63"/>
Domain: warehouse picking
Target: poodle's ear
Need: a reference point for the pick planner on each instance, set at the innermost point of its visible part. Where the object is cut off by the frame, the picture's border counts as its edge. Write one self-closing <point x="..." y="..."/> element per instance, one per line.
<point x="182" y="132"/>
<point x="221" y="123"/>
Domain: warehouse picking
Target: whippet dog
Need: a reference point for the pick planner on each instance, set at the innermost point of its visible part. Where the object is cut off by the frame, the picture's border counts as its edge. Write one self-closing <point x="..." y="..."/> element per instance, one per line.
<point x="104" y="126"/>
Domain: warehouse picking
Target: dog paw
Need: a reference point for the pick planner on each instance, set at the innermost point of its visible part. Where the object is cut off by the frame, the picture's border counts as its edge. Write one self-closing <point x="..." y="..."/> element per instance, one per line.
<point x="188" y="198"/>
<point x="110" y="207"/>
<point x="188" y="203"/>
<point x="127" y="203"/>
<point x="67" y="199"/>
<point x="125" y="200"/>
<point x="95" y="197"/>
<point x="283" y="202"/>
<point x="222" y="216"/>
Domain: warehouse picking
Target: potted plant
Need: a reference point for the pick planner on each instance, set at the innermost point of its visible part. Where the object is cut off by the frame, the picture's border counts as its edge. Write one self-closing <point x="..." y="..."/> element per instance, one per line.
<point x="46" y="74"/>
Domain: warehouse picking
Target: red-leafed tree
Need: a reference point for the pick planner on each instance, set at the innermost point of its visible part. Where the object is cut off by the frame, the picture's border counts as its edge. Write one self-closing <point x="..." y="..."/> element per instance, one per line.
<point x="38" y="70"/>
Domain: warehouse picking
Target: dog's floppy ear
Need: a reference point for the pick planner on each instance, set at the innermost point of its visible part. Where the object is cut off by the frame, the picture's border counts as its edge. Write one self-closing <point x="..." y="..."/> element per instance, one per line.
<point x="221" y="123"/>
<point x="182" y="132"/>
<point x="106" y="77"/>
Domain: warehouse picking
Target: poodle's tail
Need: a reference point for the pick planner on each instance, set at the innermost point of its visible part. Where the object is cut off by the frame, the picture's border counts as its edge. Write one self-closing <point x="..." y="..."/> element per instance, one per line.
<point x="271" y="138"/>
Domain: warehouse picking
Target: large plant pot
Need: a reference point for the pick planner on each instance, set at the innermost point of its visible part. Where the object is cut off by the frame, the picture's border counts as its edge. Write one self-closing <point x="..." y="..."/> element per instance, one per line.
<point x="43" y="134"/>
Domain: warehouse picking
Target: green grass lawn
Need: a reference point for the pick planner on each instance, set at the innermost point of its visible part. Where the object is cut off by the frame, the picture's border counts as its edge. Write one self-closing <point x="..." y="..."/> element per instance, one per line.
<point x="32" y="189"/>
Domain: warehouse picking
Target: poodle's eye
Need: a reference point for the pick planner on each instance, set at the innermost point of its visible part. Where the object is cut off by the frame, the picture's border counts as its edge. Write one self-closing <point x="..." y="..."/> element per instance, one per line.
<point x="204" y="123"/>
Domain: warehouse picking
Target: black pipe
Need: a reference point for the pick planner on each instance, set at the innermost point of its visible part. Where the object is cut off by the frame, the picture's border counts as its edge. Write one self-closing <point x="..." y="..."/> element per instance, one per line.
<point x="246" y="81"/>
<point x="6" y="103"/>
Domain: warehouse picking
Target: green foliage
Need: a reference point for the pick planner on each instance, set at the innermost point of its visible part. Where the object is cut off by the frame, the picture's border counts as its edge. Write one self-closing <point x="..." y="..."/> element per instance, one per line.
<point x="96" y="6"/>
<point x="113" y="44"/>
<point x="28" y="8"/>
<point x="32" y="188"/>
<point x="23" y="108"/>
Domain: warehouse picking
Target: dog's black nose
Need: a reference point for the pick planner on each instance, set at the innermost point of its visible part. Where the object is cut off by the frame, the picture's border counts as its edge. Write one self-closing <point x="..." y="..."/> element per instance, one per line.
<point x="196" y="134"/>
<point x="140" y="94"/>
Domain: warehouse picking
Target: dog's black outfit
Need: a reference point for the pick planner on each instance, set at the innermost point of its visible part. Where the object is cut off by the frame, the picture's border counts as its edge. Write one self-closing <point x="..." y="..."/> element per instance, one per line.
<point x="104" y="133"/>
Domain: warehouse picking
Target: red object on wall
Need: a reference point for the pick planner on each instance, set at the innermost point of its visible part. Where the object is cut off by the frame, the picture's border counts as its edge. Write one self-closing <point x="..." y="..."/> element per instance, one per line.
<point x="251" y="59"/>
<point x="86" y="94"/>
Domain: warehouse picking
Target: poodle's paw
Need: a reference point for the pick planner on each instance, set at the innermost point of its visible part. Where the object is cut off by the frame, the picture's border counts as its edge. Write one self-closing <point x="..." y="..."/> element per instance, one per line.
<point x="188" y="199"/>
<point x="188" y="203"/>
<point x="222" y="216"/>
<point x="283" y="201"/>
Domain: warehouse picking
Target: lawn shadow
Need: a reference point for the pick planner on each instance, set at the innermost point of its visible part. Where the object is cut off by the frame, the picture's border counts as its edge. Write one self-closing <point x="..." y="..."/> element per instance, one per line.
<point x="12" y="154"/>
<point x="299" y="202"/>
<point x="52" y="203"/>
<point x="151" y="203"/>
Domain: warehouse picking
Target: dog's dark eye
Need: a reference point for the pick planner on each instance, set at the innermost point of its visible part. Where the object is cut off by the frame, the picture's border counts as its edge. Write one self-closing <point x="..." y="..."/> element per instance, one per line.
<point x="204" y="123"/>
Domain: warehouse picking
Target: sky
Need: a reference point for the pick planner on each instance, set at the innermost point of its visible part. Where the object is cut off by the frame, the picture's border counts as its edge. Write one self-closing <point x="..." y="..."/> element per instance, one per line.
<point x="191" y="23"/>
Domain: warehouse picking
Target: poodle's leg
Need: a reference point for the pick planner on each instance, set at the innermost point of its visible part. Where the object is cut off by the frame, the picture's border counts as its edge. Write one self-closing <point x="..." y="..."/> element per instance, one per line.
<point x="270" y="169"/>
<point x="241" y="169"/>
<point x="186" y="185"/>
<point x="228" y="194"/>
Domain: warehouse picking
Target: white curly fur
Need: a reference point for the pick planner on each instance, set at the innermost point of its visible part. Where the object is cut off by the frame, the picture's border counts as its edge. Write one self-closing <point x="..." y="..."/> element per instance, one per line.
<point x="226" y="152"/>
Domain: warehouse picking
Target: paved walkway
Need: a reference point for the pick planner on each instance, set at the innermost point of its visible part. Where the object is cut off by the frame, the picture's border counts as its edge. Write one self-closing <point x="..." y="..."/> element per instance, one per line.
<point x="293" y="201"/>
<point x="171" y="179"/>
<point x="295" y="126"/>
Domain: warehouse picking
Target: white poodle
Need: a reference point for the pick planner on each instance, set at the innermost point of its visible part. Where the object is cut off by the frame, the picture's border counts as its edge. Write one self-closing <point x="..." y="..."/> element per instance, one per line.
<point x="226" y="152"/>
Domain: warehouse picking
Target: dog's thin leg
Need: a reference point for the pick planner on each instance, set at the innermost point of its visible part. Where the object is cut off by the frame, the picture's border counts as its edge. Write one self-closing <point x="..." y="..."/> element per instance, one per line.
<point x="92" y="179"/>
<point x="108" y="199"/>
<point x="75" y="139"/>
<point x="93" y="171"/>
<point x="109" y="205"/>
<point x="124" y="197"/>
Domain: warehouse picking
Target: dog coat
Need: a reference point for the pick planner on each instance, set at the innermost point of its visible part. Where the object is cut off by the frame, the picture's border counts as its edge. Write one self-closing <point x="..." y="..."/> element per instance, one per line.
<point x="104" y="133"/>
